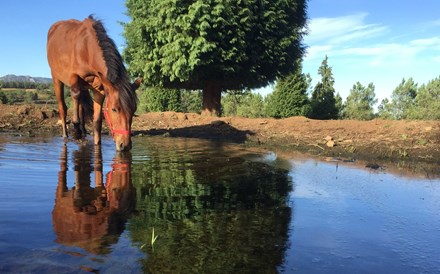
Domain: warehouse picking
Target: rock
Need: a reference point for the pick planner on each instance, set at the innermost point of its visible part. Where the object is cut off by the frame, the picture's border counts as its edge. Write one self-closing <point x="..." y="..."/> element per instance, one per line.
<point x="373" y="166"/>
<point x="23" y="110"/>
<point x="43" y="115"/>
<point x="330" y="143"/>
<point x="328" y="138"/>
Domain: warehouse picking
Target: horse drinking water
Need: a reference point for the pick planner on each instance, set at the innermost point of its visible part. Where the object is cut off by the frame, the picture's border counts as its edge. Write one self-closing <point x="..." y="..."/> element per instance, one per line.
<point x="82" y="56"/>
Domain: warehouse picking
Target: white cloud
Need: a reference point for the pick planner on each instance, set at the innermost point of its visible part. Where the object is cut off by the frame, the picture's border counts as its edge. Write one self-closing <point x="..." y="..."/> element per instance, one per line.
<point x="427" y="42"/>
<point x="316" y="51"/>
<point x="370" y="52"/>
<point x="346" y="37"/>
<point x="342" y="29"/>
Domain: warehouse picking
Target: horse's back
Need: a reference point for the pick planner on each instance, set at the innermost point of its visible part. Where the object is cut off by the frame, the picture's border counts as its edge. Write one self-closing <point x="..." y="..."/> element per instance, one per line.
<point x="67" y="44"/>
<point x="61" y="37"/>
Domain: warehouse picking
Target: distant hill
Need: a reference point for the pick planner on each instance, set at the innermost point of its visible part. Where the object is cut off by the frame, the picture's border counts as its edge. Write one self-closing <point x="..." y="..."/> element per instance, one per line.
<point x="25" y="79"/>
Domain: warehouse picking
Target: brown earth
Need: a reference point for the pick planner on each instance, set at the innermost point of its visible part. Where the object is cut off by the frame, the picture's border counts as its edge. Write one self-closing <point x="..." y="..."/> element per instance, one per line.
<point x="377" y="142"/>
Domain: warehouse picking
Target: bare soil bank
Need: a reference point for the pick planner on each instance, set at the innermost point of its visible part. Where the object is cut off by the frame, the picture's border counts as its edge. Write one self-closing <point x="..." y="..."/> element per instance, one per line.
<point x="413" y="144"/>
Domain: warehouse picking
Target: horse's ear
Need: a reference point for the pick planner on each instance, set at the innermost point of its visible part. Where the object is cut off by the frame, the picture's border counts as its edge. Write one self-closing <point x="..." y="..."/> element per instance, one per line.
<point x="136" y="84"/>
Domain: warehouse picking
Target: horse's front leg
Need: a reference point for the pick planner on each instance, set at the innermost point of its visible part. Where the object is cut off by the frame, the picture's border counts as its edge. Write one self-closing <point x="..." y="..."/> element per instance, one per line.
<point x="98" y="100"/>
<point x="58" y="87"/>
<point x="75" y="92"/>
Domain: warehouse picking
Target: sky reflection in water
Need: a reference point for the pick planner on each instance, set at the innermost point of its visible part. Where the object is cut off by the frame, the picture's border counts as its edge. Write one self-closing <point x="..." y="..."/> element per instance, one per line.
<point x="215" y="208"/>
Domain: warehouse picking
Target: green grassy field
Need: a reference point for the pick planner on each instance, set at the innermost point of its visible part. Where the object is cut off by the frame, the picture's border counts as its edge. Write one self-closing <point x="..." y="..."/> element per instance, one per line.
<point x="14" y="96"/>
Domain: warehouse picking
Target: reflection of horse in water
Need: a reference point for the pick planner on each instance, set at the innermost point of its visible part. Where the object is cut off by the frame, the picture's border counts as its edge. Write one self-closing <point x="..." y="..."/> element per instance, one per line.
<point x="93" y="217"/>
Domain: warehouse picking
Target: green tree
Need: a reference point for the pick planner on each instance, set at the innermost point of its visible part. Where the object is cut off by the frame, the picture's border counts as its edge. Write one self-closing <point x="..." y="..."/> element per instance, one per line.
<point x="3" y="98"/>
<point x="30" y="97"/>
<point x="403" y="99"/>
<point x="323" y="96"/>
<point x="213" y="45"/>
<point x="253" y="107"/>
<point x="14" y="96"/>
<point x="360" y="102"/>
<point x="384" y="110"/>
<point x="191" y="101"/>
<point x="41" y="86"/>
<point x="290" y="96"/>
<point x="159" y="99"/>
<point x="231" y="101"/>
<point x="427" y="102"/>
<point x="243" y="104"/>
<point x="340" y="106"/>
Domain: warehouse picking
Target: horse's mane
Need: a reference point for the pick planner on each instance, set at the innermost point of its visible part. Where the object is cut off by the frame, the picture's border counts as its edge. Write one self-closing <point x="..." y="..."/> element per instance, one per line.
<point x="116" y="72"/>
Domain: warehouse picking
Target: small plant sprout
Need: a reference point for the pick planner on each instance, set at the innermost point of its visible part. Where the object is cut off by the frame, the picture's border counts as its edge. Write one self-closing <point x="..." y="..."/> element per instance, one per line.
<point x="153" y="240"/>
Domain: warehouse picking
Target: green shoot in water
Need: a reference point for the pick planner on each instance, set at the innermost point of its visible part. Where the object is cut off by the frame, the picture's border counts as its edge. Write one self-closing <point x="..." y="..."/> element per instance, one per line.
<point x="153" y="239"/>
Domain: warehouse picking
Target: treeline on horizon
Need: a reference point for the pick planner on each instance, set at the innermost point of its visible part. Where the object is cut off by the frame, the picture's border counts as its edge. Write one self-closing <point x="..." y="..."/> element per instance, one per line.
<point x="16" y="92"/>
<point x="295" y="96"/>
<point x="292" y="96"/>
<point x="24" y="85"/>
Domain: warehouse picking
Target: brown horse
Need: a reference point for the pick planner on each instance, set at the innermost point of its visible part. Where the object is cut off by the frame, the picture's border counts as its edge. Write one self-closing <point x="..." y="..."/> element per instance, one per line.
<point x="82" y="56"/>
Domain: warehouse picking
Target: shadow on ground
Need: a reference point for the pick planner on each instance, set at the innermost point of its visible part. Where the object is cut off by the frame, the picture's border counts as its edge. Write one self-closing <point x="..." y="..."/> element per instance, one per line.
<point x="217" y="130"/>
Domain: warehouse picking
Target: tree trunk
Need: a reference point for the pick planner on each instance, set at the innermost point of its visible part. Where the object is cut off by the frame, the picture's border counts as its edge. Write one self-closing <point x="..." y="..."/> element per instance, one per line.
<point x="212" y="99"/>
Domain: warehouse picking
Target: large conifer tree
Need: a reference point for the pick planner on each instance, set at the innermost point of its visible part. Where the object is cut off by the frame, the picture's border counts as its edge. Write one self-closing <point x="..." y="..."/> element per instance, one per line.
<point x="213" y="45"/>
<point x="290" y="96"/>
<point x="323" y="96"/>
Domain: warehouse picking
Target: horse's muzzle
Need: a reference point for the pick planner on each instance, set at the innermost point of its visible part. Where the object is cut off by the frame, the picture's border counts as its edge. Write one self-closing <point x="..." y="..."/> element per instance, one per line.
<point x="123" y="144"/>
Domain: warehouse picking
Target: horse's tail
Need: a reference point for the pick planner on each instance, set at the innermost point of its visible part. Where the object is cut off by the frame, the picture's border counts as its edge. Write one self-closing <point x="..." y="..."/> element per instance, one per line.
<point x="86" y="102"/>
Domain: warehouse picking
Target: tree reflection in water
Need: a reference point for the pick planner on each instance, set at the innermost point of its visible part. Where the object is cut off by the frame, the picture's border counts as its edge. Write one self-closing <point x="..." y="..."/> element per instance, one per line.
<point x="213" y="209"/>
<point x="92" y="217"/>
<point x="213" y="213"/>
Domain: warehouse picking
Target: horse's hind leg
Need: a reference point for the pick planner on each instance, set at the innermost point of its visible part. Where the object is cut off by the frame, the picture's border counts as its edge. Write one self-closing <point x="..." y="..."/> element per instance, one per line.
<point x="58" y="87"/>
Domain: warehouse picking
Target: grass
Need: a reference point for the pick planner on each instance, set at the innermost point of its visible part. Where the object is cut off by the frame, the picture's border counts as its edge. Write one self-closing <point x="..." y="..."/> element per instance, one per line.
<point x="153" y="240"/>
<point x="403" y="153"/>
<point x="422" y="142"/>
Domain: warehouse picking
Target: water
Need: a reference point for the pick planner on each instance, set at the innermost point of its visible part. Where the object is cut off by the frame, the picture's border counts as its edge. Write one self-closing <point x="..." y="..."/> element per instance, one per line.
<point x="214" y="207"/>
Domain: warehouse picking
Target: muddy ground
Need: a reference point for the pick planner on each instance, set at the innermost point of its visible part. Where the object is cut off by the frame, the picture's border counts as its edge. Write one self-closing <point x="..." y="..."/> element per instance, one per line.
<point x="414" y="144"/>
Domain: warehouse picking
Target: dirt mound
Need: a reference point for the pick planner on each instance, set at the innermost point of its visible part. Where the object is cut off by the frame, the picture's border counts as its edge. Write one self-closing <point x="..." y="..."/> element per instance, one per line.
<point x="28" y="119"/>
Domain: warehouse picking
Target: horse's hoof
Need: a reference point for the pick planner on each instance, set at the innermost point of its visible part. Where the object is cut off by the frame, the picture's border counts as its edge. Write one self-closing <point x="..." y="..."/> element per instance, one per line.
<point x="77" y="136"/>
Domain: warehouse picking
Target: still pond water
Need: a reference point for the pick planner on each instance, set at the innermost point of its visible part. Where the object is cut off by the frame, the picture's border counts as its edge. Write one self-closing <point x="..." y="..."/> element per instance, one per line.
<point x="214" y="208"/>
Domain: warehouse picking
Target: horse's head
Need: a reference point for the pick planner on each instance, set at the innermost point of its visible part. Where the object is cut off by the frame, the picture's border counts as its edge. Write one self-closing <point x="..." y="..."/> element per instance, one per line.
<point x="119" y="116"/>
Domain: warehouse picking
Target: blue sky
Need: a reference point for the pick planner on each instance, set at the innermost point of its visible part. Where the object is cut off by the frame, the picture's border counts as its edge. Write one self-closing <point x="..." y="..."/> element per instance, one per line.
<point x="365" y="40"/>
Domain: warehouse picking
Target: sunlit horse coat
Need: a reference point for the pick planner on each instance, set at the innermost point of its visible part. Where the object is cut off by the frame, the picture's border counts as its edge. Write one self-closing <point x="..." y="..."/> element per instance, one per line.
<point x="82" y="56"/>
